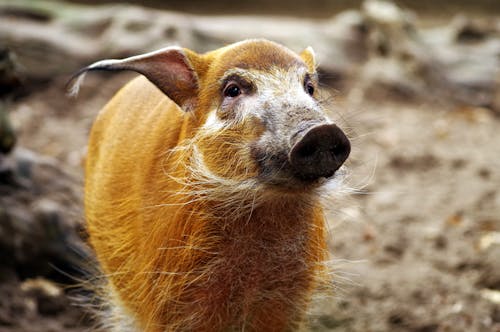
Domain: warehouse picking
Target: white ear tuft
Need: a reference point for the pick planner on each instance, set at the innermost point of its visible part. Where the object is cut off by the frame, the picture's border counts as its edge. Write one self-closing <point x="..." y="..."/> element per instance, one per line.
<point x="73" y="86"/>
<point x="170" y="69"/>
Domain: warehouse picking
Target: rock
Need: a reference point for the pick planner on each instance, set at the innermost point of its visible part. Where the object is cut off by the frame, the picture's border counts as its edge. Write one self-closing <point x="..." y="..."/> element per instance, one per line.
<point x="49" y="298"/>
<point x="467" y="30"/>
<point x="490" y="276"/>
<point x="10" y="78"/>
<point x="40" y="221"/>
<point x="7" y="136"/>
<point x="379" y="48"/>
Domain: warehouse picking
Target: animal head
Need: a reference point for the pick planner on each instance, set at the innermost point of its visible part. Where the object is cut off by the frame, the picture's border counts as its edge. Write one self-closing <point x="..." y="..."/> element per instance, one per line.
<point x="254" y="112"/>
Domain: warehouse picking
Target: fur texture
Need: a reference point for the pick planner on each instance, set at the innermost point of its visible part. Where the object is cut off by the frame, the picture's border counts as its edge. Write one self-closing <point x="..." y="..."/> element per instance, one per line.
<point x="194" y="216"/>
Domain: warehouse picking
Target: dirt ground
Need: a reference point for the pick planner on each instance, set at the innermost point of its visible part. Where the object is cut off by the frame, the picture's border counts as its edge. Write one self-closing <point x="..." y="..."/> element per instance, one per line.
<point x="415" y="237"/>
<point x="414" y="247"/>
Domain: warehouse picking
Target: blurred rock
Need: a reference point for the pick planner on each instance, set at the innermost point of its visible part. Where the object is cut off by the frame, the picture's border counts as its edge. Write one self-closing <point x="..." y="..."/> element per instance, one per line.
<point x="490" y="276"/>
<point x="10" y="78"/>
<point x="39" y="305"/>
<point x="414" y="64"/>
<point x="379" y="48"/>
<point x="40" y="216"/>
<point x="468" y="30"/>
<point x="489" y="239"/>
<point x="9" y="81"/>
<point x="49" y="298"/>
<point x="7" y="135"/>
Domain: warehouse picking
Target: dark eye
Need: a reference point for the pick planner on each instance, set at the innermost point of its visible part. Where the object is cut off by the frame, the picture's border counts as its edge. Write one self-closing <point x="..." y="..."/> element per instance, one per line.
<point x="310" y="88"/>
<point x="232" y="90"/>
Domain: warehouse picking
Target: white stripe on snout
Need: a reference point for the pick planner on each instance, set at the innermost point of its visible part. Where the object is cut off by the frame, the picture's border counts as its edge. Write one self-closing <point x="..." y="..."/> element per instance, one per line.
<point x="213" y="123"/>
<point x="285" y="87"/>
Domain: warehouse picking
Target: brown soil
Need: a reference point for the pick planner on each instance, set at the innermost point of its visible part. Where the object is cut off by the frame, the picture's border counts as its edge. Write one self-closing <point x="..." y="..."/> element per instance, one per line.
<point x="413" y="252"/>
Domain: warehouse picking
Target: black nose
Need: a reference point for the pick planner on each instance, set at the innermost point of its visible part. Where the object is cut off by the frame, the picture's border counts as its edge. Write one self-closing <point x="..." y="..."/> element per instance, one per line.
<point x="320" y="152"/>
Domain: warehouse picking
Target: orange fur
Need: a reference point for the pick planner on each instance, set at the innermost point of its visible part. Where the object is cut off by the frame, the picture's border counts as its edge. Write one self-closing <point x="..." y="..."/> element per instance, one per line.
<point x="182" y="254"/>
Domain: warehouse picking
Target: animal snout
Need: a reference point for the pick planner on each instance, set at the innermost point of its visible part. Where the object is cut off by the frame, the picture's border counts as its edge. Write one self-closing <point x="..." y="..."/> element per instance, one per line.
<point x="319" y="152"/>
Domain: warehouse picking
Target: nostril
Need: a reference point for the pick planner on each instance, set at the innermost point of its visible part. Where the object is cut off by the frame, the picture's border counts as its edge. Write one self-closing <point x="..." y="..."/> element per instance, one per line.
<point x="340" y="150"/>
<point x="336" y="150"/>
<point x="307" y="151"/>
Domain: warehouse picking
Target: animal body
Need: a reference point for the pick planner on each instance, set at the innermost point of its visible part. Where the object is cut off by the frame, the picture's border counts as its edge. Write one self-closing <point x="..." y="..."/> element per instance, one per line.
<point x="202" y="188"/>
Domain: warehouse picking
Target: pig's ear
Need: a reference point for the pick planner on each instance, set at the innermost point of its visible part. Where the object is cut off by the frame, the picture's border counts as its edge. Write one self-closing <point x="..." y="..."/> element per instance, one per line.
<point x="309" y="57"/>
<point x="170" y="69"/>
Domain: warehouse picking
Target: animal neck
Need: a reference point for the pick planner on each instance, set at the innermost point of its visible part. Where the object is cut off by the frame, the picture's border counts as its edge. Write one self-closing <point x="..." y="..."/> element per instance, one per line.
<point x="253" y="254"/>
<point x="281" y="218"/>
<point x="264" y="261"/>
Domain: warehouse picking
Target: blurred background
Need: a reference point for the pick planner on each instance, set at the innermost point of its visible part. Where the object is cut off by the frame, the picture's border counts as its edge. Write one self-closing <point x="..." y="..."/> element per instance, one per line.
<point x="415" y="238"/>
